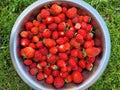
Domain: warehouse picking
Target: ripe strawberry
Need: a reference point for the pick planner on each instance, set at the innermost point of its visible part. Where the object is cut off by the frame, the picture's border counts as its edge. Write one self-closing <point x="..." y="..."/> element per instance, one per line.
<point x="24" y="34"/>
<point x="77" y="77"/>
<point x="53" y="67"/>
<point x="80" y="55"/>
<point x="58" y="82"/>
<point x="37" y="56"/>
<point x="88" y="44"/>
<point x="61" y="63"/>
<point x="55" y="35"/>
<point x="24" y="42"/>
<point x="32" y="45"/>
<point x="40" y="35"/>
<point x="33" y="65"/>
<point x="69" y="34"/>
<point x="83" y="25"/>
<point x="49" y="79"/>
<point x="63" y="56"/>
<point x="53" y="50"/>
<point x="82" y="32"/>
<point x="33" y="71"/>
<point x="79" y="38"/>
<point x="69" y="23"/>
<point x="49" y="20"/>
<point x="68" y="79"/>
<point x="55" y="9"/>
<point x="62" y="17"/>
<point x="34" y="30"/>
<point x="27" y="52"/>
<point x="81" y="19"/>
<point x="57" y="19"/>
<point x="74" y="52"/>
<point x="47" y="71"/>
<point x="82" y="63"/>
<point x="89" y="28"/>
<point x="28" y="25"/>
<point x="28" y="62"/>
<point x="75" y="19"/>
<point x="30" y="35"/>
<point x="43" y="64"/>
<point x="90" y="59"/>
<point x="86" y="19"/>
<point x="64" y="69"/>
<point x="52" y="26"/>
<point x="39" y="44"/>
<point x="61" y="48"/>
<point x="61" y="33"/>
<point x="60" y="40"/>
<point x="43" y="51"/>
<point x="61" y="26"/>
<point x="52" y="59"/>
<point x="49" y="42"/>
<point x="35" y="39"/>
<point x="55" y="73"/>
<point x="40" y="76"/>
<point x="89" y="36"/>
<point x="69" y="68"/>
<point x="92" y="51"/>
<point x="77" y="26"/>
<point x="42" y="27"/>
<point x="47" y="33"/>
<point x="89" y="66"/>
<point x="74" y="43"/>
<point x="71" y="12"/>
<point x="63" y="74"/>
<point x="72" y="62"/>
<point x="44" y="13"/>
<point x="64" y="9"/>
<point x="36" y="23"/>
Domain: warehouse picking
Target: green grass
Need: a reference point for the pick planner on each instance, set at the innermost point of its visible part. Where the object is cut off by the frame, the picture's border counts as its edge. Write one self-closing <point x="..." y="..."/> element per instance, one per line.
<point x="10" y="10"/>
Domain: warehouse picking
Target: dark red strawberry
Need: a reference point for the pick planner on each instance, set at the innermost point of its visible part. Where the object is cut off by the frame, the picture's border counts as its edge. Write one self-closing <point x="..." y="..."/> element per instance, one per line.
<point x="58" y="82"/>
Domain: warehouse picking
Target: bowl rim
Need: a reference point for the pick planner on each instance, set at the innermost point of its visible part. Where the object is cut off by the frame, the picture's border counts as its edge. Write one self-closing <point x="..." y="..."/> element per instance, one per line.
<point x="103" y="63"/>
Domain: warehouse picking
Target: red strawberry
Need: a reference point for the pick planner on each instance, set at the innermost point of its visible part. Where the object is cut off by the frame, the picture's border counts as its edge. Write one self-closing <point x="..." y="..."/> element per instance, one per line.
<point x="39" y="44"/>
<point x="24" y="34"/>
<point x="90" y="59"/>
<point x="88" y="28"/>
<point x="28" y="62"/>
<point x="47" y="71"/>
<point x="53" y="50"/>
<point x="63" y="56"/>
<point x="68" y="79"/>
<point x="43" y="64"/>
<point x="75" y="19"/>
<point x="62" y="17"/>
<point x="33" y="65"/>
<point x="49" y="20"/>
<point x="67" y="46"/>
<point x="42" y="27"/>
<point x="61" y="63"/>
<point x="83" y="25"/>
<point x="55" y="35"/>
<point x="74" y="52"/>
<point x="49" y="79"/>
<point x="55" y="9"/>
<point x="82" y="32"/>
<point x="82" y="63"/>
<point x="88" y="44"/>
<point x="64" y="69"/>
<point x="71" y="12"/>
<point x="61" y="26"/>
<point x="58" y="82"/>
<point x="35" y="39"/>
<point x="69" y="34"/>
<point x="60" y="40"/>
<point x="72" y="62"/>
<point x="33" y="71"/>
<point x="52" y="59"/>
<point x="69" y="23"/>
<point x="53" y="67"/>
<point x="79" y="38"/>
<point x="40" y="76"/>
<point x="92" y="51"/>
<point x="49" y="42"/>
<point x="30" y="35"/>
<point x="24" y="42"/>
<point x="37" y="56"/>
<point x="55" y="73"/>
<point x="77" y="26"/>
<point x="47" y="33"/>
<point x="61" y="48"/>
<point x="36" y="23"/>
<point x="80" y="55"/>
<point x="44" y="13"/>
<point x="89" y="36"/>
<point x="64" y="74"/>
<point x="77" y="77"/>
<point x="43" y="51"/>
<point x="86" y="19"/>
<point x="52" y="26"/>
<point x="61" y="33"/>
<point x="74" y="43"/>
<point x="69" y="68"/>
<point x="32" y="45"/>
<point x="64" y="9"/>
<point x="89" y="66"/>
<point x="28" y="25"/>
<point x="57" y="19"/>
<point x="27" y="52"/>
<point x="81" y="19"/>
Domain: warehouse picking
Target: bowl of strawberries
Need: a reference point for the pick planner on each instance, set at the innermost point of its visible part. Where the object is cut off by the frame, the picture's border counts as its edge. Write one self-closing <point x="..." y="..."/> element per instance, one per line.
<point x="60" y="44"/>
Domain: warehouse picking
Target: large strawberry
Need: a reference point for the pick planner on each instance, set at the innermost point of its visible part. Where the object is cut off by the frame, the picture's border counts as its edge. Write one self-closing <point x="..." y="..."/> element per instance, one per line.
<point x="55" y="9"/>
<point x="58" y="82"/>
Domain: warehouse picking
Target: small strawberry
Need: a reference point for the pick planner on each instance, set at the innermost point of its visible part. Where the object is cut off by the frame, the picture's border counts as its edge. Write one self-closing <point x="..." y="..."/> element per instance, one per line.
<point x="33" y="71"/>
<point x="61" y="63"/>
<point x="55" y="35"/>
<point x="80" y="55"/>
<point x="74" y="52"/>
<point x="89" y="28"/>
<point x="52" y="26"/>
<point x="43" y="64"/>
<point x="46" y="33"/>
<point x="75" y="19"/>
<point x="55" y="73"/>
<point x="82" y="63"/>
<point x="90" y="59"/>
<point x="43" y="51"/>
<point x="28" y="25"/>
<point x="34" y="30"/>
<point x="49" y="42"/>
<point x="77" y="26"/>
<point x="60" y="40"/>
<point x="69" y="23"/>
<point x="32" y="45"/>
<point x="79" y="38"/>
<point x="77" y="77"/>
<point x="24" y="42"/>
<point x="62" y="17"/>
<point x="67" y="46"/>
<point x="28" y="62"/>
<point x="24" y="34"/>
<point x="61" y="33"/>
<point x="42" y="27"/>
<point x="64" y="9"/>
<point x="36" y="23"/>
<point x="39" y="44"/>
<point x="53" y="50"/>
<point x="53" y="67"/>
<point x="82" y="32"/>
<point x="37" y="56"/>
<point x="47" y="71"/>
<point x="72" y="62"/>
<point x="74" y="43"/>
<point x="58" y="82"/>
<point x="35" y="39"/>
<point x="27" y="52"/>
<point x="89" y="36"/>
<point x="40" y="76"/>
<point x="68" y="79"/>
<point x="71" y="12"/>
<point x="33" y="65"/>
<point x="63" y="74"/>
<point x="30" y="35"/>
<point x="83" y="25"/>
<point x="49" y="79"/>
<point x="55" y="9"/>
<point x="88" y="44"/>
<point x="69" y="34"/>
<point x="63" y="56"/>
<point x="92" y="51"/>
<point x="44" y="13"/>
<point x="86" y="19"/>
<point x="61" y="26"/>
<point x="61" y="48"/>
<point x="49" y="20"/>
<point x="89" y="66"/>
<point x="81" y="18"/>
<point x="57" y="19"/>
<point x="52" y="59"/>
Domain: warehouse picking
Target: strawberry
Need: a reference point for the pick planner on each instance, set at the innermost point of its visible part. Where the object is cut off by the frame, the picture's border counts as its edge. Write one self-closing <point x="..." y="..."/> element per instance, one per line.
<point x="83" y="25"/>
<point x="39" y="44"/>
<point x="58" y="82"/>
<point x="43" y="51"/>
<point x="89" y="66"/>
<point x="42" y="27"/>
<point x="62" y="17"/>
<point x="33" y="65"/>
<point x="34" y="30"/>
<point x="74" y="52"/>
<point x="37" y="56"/>
<point x="71" y="12"/>
<point x="28" y="25"/>
<point x="82" y="63"/>
<point x="49" y="42"/>
<point x="47" y="71"/>
<point x="53" y="67"/>
<point x="35" y="39"/>
<point x="61" y="33"/>
<point x="67" y="46"/>
<point x="32" y="45"/>
<point x="64" y="9"/>
<point x="30" y="35"/>
<point x="82" y="32"/>
<point x="24" y="42"/>
<point x="61" y="63"/>
<point x="55" y="9"/>
<point x="72" y="62"/>
<point x="86" y="19"/>
<point x="57" y="19"/>
<point x="64" y="74"/>
<point x="52" y="26"/>
<point x="40" y="76"/>
<point x="61" y="48"/>
<point x="33" y="71"/>
<point x="36" y="23"/>
<point x="60" y="40"/>
<point x="88" y="44"/>
<point x="64" y="69"/>
<point x="24" y="34"/>
<point x="53" y="50"/>
<point x="46" y="33"/>
<point x="75" y="19"/>
<point x="69" y="34"/>
<point x="80" y="55"/>
<point x="49" y="79"/>
<point x="43" y="64"/>
<point x="69" y="23"/>
<point x="63" y="56"/>
<point x="89" y="28"/>
<point x="68" y="79"/>
<point x="92" y="51"/>
<point x="28" y="62"/>
<point x="52" y="59"/>
<point x="27" y="52"/>
<point x="44" y="13"/>
<point x="55" y="35"/>
<point x="79" y="38"/>
<point x="81" y="19"/>
<point x="61" y="26"/>
<point x="49" y="20"/>
<point x="55" y="73"/>
<point x="77" y="77"/>
<point x="74" y="43"/>
<point x="90" y="59"/>
<point x="77" y="26"/>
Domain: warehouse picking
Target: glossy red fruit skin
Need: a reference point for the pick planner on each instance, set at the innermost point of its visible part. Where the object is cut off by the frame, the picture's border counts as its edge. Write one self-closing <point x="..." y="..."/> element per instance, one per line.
<point x="40" y="76"/>
<point x="53" y="50"/>
<point x="28" y="26"/>
<point x="39" y="44"/>
<point x="43" y="64"/>
<point x="49" y="79"/>
<point x="74" y="52"/>
<point x="71" y="12"/>
<point x="68" y="79"/>
<point x="89" y="66"/>
<point x="35" y="30"/>
<point x="61" y="48"/>
<point x="52" y="59"/>
<point x="44" y="13"/>
<point x="77" y="26"/>
<point x="43" y="51"/>
<point x="58" y="82"/>
<point x="69" y="33"/>
<point x="55" y="35"/>
<point x="60" y="40"/>
<point x="61" y="63"/>
<point x="79" y="38"/>
<point x="47" y="71"/>
<point x="63" y="56"/>
<point x="63" y="74"/>
<point x="55" y="9"/>
<point x="72" y="62"/>
<point x="77" y="77"/>
<point x="61" y="33"/>
<point x="28" y="62"/>
<point x="62" y="17"/>
<point x="33" y="71"/>
<point x="82" y="63"/>
<point x="52" y="26"/>
<point x="86" y="19"/>
<point x="57" y="19"/>
<point x="82" y="32"/>
<point x="42" y="27"/>
<point x="24" y="42"/>
<point x="55" y="73"/>
<point x="61" y="26"/>
<point x="90" y="59"/>
<point x="49" y="20"/>
<point x="88" y="44"/>
<point x="24" y="34"/>
<point x="37" y="56"/>
<point x="49" y="42"/>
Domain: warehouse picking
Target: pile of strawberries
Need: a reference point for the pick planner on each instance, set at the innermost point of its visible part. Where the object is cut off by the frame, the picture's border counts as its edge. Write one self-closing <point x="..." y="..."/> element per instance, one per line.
<point x="58" y="45"/>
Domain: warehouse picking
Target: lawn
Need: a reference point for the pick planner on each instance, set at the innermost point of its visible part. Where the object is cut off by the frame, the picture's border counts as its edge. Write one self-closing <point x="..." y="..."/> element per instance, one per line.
<point x="11" y="9"/>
